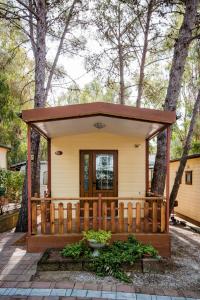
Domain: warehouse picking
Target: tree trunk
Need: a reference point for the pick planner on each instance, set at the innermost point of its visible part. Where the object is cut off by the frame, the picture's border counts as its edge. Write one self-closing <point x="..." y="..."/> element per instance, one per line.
<point x="186" y="150"/>
<point x="121" y="75"/>
<point x="144" y="53"/>
<point x="22" y="222"/>
<point x="39" y="101"/>
<point x="178" y="63"/>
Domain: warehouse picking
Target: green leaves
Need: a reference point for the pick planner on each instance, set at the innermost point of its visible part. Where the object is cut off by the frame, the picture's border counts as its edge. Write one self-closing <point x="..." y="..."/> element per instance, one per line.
<point x="113" y="257"/>
<point x="100" y="236"/>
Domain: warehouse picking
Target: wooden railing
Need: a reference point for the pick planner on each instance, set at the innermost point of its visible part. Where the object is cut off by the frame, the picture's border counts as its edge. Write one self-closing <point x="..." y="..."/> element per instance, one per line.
<point x="117" y="214"/>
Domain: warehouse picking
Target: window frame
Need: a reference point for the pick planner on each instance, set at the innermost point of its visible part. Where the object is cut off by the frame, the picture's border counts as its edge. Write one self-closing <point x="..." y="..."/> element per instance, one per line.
<point x="191" y="175"/>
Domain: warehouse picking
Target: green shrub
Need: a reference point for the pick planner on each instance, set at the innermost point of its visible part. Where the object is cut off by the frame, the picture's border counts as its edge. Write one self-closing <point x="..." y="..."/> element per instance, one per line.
<point x="13" y="183"/>
<point x="100" y="236"/>
<point x="112" y="257"/>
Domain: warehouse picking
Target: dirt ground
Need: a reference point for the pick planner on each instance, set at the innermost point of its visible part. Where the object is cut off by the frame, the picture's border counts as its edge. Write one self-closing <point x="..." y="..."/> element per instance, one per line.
<point x="183" y="271"/>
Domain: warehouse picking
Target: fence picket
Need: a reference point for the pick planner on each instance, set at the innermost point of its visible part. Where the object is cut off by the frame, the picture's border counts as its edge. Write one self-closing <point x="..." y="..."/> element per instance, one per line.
<point x="60" y="218"/>
<point x="94" y="215"/>
<point x="154" y="217"/>
<point x="43" y="217"/>
<point x="162" y="221"/>
<point x="78" y="227"/>
<point x="34" y="218"/>
<point x="52" y="218"/>
<point x="130" y="217"/>
<point x="86" y="216"/>
<point x="138" y="217"/>
<point x="69" y="217"/>
<point x="112" y="207"/>
<point x="121" y="217"/>
<point x="146" y="217"/>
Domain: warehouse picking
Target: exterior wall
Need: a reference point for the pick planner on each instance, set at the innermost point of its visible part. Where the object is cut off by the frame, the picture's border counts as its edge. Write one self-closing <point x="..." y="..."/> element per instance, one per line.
<point x="43" y="176"/>
<point x="188" y="195"/>
<point x="3" y="158"/>
<point x="65" y="168"/>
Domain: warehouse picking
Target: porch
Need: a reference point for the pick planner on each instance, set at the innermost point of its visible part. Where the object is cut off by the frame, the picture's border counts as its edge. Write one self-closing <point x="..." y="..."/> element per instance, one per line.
<point x="110" y="189"/>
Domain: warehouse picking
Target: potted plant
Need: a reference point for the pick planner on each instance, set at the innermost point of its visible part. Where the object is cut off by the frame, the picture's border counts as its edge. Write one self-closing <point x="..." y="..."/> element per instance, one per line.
<point x="97" y="239"/>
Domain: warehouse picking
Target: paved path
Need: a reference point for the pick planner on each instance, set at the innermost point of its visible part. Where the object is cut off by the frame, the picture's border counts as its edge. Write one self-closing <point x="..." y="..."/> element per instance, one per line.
<point x="17" y="268"/>
<point x="56" y="294"/>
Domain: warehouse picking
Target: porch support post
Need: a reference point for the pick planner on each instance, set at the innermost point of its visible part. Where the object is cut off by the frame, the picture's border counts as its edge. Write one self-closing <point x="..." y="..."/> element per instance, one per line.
<point x="29" y="177"/>
<point x="147" y="166"/>
<point x="49" y="166"/>
<point x="167" y="177"/>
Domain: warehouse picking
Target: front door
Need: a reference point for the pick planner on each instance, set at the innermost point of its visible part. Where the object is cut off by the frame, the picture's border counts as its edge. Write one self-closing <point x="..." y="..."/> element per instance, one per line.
<point x="98" y="173"/>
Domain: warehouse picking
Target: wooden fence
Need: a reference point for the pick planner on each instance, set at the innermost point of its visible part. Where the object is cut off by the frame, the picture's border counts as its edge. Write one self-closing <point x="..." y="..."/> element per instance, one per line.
<point x="117" y="214"/>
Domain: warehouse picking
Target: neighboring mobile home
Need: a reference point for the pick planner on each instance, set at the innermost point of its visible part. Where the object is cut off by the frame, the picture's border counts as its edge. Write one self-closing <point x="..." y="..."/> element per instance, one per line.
<point x="21" y="167"/>
<point x="189" y="191"/>
<point x="3" y="156"/>
<point x="98" y="174"/>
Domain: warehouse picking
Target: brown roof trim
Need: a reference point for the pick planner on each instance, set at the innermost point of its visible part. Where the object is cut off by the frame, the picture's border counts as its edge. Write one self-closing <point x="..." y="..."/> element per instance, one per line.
<point x="5" y="147"/>
<point x="95" y="109"/>
<point x="191" y="156"/>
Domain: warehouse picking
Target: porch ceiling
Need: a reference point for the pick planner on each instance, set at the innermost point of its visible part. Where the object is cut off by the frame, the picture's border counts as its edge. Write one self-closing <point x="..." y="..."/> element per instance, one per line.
<point x="80" y="118"/>
<point x="86" y="125"/>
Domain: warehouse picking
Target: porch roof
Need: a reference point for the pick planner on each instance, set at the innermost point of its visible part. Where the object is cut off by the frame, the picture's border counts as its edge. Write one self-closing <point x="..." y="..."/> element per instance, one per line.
<point x="81" y="118"/>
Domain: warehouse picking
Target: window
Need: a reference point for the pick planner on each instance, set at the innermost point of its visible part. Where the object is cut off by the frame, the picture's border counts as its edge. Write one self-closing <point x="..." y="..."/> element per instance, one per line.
<point x="45" y="178"/>
<point x="188" y="177"/>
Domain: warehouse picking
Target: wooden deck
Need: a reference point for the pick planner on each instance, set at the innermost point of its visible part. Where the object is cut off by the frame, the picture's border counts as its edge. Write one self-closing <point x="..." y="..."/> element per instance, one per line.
<point x="58" y="221"/>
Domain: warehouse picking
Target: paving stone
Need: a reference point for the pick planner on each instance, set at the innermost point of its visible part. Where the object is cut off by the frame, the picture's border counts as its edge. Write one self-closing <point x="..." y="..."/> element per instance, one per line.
<point x="93" y="294"/>
<point x="51" y="298"/>
<point x="58" y="292"/>
<point x="65" y="285"/>
<point x="40" y="292"/>
<point x="90" y="286"/>
<point x="9" y="284"/>
<point x="108" y="295"/>
<point x="162" y="298"/>
<point x="79" y="285"/>
<point x="79" y="293"/>
<point x="128" y="296"/>
<point x="143" y="297"/>
<point x="2" y="291"/>
<point x="39" y="284"/>
<point x="24" y="284"/>
<point x="23" y="292"/>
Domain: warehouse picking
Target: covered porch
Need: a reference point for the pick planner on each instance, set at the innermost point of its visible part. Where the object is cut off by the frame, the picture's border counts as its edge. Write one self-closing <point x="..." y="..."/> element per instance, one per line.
<point x="98" y="175"/>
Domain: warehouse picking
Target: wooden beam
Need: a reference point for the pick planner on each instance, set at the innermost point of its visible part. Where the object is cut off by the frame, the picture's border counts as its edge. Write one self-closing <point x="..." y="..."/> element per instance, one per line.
<point x="98" y="108"/>
<point x="167" y="177"/>
<point x="147" y="165"/>
<point x="49" y="166"/>
<point x="29" y="177"/>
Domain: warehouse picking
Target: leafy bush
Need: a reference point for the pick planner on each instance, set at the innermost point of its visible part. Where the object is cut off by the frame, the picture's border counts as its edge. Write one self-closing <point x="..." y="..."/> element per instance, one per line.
<point x="76" y="250"/>
<point x="113" y="257"/>
<point x="100" y="236"/>
<point x="13" y="183"/>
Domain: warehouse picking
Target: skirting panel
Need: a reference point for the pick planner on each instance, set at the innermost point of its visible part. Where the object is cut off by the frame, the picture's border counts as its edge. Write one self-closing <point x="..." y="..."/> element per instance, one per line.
<point x="39" y="243"/>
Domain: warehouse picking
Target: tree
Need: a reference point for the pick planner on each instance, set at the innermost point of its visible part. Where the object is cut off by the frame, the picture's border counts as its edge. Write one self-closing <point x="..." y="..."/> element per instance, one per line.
<point x="116" y="30"/>
<point x="39" y="21"/>
<point x="181" y="49"/>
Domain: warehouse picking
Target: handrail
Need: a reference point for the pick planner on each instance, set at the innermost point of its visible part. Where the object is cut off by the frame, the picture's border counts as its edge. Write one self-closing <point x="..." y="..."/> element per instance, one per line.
<point x="95" y="198"/>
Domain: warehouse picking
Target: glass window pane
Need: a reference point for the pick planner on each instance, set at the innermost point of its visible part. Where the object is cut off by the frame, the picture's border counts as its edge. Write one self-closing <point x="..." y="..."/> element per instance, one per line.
<point x="104" y="171"/>
<point x="86" y="172"/>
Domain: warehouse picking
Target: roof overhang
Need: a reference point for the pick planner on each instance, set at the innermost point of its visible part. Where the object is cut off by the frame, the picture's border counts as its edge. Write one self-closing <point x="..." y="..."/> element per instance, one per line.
<point x="80" y="118"/>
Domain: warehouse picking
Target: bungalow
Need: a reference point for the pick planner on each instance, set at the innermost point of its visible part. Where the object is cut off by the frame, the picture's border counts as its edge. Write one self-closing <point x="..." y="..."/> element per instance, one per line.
<point x="188" y="195"/>
<point x="3" y="156"/>
<point x="98" y="174"/>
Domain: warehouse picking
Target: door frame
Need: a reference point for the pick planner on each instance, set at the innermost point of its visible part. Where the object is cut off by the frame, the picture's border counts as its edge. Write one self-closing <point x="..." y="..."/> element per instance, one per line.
<point x="92" y="168"/>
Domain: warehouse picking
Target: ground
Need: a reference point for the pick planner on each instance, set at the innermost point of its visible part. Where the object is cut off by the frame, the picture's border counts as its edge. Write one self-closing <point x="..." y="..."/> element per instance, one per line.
<point x="182" y="278"/>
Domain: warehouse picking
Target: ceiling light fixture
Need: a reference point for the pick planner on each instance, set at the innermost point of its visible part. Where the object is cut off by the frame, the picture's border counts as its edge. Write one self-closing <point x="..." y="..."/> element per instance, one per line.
<point x="99" y="125"/>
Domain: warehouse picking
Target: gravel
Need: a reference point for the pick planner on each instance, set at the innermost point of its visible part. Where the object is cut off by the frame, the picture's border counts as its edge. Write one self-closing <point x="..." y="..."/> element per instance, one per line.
<point x="182" y="272"/>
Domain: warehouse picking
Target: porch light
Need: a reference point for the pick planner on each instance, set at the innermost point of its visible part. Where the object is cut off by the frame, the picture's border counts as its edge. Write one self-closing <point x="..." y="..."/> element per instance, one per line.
<point x="58" y="153"/>
<point x="99" y="125"/>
